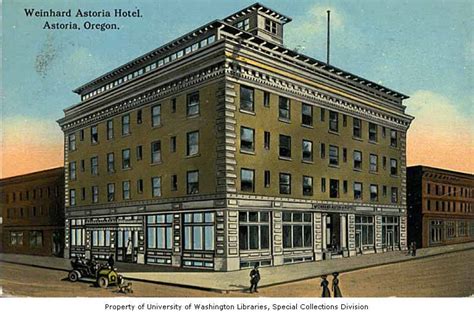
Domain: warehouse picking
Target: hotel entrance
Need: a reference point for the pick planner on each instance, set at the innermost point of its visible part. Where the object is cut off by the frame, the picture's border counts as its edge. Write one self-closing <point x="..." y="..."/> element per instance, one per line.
<point x="127" y="245"/>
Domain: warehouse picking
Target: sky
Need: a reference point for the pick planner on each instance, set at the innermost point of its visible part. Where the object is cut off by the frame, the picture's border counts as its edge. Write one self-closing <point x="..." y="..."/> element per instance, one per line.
<point x="421" y="48"/>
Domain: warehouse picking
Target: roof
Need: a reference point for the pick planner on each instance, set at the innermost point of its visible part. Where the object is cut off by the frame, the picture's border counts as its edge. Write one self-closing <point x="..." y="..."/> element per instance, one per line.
<point x="337" y="72"/>
<point x="439" y="170"/>
<point x="51" y="171"/>
<point x="258" y="7"/>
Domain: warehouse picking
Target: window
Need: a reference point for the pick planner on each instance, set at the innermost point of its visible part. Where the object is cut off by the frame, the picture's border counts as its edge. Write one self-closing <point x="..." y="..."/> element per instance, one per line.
<point x="94" y="135"/>
<point x="394" y="195"/>
<point x="374" y="192"/>
<point x="384" y="162"/>
<point x="199" y="231"/>
<point x="110" y="129"/>
<point x="357" y="128"/>
<point x="111" y="192"/>
<point x="344" y="186"/>
<point x="254" y="230"/>
<point x="284" y="108"/>
<point x="364" y="230"/>
<point x="126" y="190"/>
<point x="323" y="150"/>
<point x="78" y="232"/>
<point x="247" y="139"/>
<point x="72" y="197"/>
<point x="297" y="230"/>
<point x="373" y="163"/>
<point x="140" y="186"/>
<point x="266" y="179"/>
<point x="95" y="194"/>
<point x="83" y="194"/>
<point x="384" y="190"/>
<point x="139" y="152"/>
<point x="173" y="144"/>
<point x="357" y="191"/>
<point x="307" y="185"/>
<point x="270" y="26"/>
<point x="344" y="154"/>
<point x="333" y="188"/>
<point x="160" y="231"/>
<point x="192" y="182"/>
<point x="95" y="166"/>
<point x="307" y="114"/>
<point x="100" y="238"/>
<point x="285" y="146"/>
<point x="372" y="132"/>
<point x="83" y="165"/>
<point x="323" y="115"/>
<point x="285" y="183"/>
<point x="156" y="115"/>
<point x="344" y="120"/>
<point x="72" y="171"/>
<point x="334" y="155"/>
<point x="81" y="135"/>
<point x="173" y="105"/>
<point x="156" y="152"/>
<point x="307" y="150"/>
<point x="393" y="138"/>
<point x="323" y="184"/>
<point x="384" y="132"/>
<point x="139" y="117"/>
<point x="156" y="186"/>
<point x="243" y="25"/>
<point x="72" y="142"/>
<point x="266" y="99"/>
<point x="126" y="124"/>
<point x="192" y="107"/>
<point x="394" y="168"/>
<point x="450" y="229"/>
<point x="333" y="121"/>
<point x="126" y="159"/>
<point x="174" y="182"/>
<point x="16" y="238"/>
<point x="266" y="140"/>
<point x="110" y="162"/>
<point x="192" y="147"/>
<point x="246" y="99"/>
<point x="247" y="183"/>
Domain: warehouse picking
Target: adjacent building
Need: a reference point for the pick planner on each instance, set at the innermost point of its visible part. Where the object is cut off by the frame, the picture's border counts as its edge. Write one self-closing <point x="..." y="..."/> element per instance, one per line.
<point x="32" y="212"/>
<point x="224" y="148"/>
<point x="440" y="206"/>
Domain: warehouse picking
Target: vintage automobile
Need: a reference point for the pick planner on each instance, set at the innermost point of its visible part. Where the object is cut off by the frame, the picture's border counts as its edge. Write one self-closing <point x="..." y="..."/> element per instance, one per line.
<point x="91" y="271"/>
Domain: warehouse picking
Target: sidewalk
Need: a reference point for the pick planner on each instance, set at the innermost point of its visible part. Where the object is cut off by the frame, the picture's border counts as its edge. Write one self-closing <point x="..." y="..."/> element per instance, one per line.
<point x="238" y="280"/>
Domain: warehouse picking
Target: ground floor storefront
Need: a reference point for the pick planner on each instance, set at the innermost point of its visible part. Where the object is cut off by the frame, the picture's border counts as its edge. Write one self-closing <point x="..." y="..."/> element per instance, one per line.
<point x="438" y="231"/>
<point x="33" y="240"/>
<point x="231" y="239"/>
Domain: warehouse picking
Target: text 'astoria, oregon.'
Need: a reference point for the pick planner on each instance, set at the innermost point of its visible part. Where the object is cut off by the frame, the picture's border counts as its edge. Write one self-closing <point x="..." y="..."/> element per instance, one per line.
<point x="224" y="148"/>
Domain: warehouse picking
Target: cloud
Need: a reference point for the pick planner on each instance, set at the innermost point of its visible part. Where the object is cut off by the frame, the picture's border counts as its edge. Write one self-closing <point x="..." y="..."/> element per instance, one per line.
<point x="29" y="144"/>
<point x="310" y="30"/>
<point x="441" y="135"/>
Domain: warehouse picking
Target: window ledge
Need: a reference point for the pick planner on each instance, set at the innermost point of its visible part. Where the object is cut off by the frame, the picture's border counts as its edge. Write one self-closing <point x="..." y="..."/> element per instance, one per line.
<point x="373" y="172"/>
<point x="246" y="152"/>
<point x="333" y="166"/>
<point x="311" y="162"/>
<point x="156" y="163"/>
<point x="357" y="139"/>
<point x="373" y="142"/>
<point x="95" y="144"/>
<point x="285" y="158"/>
<point x="334" y="132"/>
<point x="193" y="156"/>
<point x="126" y="135"/>
<point x="284" y="120"/>
<point x="193" y="116"/>
<point x="394" y="175"/>
<point x="357" y="169"/>
<point x="247" y="111"/>
<point x="307" y="126"/>
<point x="125" y="169"/>
<point x="156" y="126"/>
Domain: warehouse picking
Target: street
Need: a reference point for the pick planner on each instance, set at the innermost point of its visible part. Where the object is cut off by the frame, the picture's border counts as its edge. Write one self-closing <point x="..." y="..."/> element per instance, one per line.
<point x="439" y="276"/>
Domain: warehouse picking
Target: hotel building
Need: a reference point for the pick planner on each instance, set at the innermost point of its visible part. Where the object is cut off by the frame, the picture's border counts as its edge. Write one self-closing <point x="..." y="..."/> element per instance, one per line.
<point x="224" y="148"/>
<point x="440" y="206"/>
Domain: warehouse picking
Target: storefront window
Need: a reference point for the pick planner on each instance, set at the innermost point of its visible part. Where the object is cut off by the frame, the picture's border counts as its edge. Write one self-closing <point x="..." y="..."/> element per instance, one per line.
<point x="199" y="231"/>
<point x="159" y="231"/>
<point x="364" y="226"/>
<point x="297" y="230"/>
<point x="254" y="230"/>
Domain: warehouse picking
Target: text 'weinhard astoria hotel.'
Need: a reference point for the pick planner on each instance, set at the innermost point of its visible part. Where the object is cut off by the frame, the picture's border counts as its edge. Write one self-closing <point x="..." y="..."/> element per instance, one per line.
<point x="224" y="148"/>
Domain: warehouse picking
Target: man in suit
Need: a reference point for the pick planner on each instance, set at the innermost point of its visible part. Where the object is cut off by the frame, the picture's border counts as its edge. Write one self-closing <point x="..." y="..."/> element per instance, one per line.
<point x="254" y="278"/>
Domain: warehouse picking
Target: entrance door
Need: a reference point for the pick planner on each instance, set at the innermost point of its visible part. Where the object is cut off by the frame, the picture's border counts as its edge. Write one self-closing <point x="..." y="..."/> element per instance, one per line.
<point x="358" y="241"/>
<point x="390" y="239"/>
<point x="333" y="224"/>
<point x="127" y="245"/>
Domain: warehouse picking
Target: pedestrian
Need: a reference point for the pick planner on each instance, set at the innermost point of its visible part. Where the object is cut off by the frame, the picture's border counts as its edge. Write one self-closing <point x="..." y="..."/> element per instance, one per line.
<point x="111" y="261"/>
<point x="254" y="278"/>
<point x="413" y="248"/>
<point x="335" y="285"/>
<point x="324" y="285"/>
<point x="129" y="252"/>
<point x="410" y="249"/>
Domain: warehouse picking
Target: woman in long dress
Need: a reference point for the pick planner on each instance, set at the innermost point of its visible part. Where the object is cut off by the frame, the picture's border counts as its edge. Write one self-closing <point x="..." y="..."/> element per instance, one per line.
<point x="335" y="285"/>
<point x="324" y="285"/>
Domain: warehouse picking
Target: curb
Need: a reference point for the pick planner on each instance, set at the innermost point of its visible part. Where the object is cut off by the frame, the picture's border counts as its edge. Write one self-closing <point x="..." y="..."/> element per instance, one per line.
<point x="224" y="291"/>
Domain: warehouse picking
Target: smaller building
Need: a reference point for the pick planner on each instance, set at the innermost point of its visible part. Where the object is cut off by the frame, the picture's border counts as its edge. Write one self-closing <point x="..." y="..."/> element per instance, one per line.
<point x="440" y="206"/>
<point x="32" y="213"/>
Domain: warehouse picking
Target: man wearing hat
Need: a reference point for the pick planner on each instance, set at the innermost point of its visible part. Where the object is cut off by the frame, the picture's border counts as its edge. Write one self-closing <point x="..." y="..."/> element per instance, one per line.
<point x="254" y="278"/>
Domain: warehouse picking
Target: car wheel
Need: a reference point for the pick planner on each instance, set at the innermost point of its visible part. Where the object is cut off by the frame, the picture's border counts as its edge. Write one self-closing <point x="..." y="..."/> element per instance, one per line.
<point x="103" y="282"/>
<point x="74" y="276"/>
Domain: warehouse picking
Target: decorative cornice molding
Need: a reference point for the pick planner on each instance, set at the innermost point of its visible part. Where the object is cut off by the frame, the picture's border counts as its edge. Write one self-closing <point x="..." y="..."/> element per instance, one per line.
<point x="267" y="79"/>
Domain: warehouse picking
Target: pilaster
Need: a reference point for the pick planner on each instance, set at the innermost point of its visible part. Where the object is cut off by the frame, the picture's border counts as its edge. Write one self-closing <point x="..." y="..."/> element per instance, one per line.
<point x="318" y="237"/>
<point x="177" y="242"/>
<point x="378" y="233"/>
<point x="277" y="238"/>
<point x="351" y="230"/>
